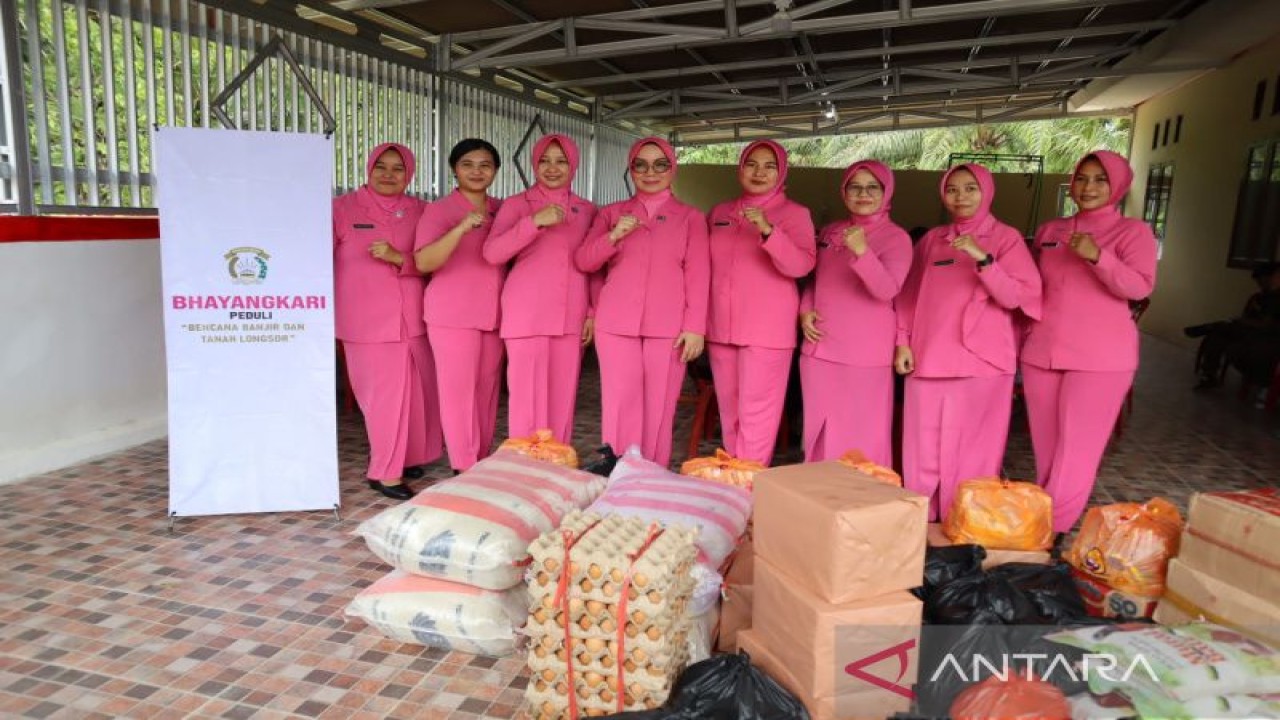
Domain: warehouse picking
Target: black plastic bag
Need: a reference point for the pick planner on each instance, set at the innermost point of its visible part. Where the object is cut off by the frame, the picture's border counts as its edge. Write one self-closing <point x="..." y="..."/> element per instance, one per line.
<point x="948" y="562"/>
<point x="981" y="599"/>
<point x="725" y="687"/>
<point x="1049" y="588"/>
<point x="602" y="465"/>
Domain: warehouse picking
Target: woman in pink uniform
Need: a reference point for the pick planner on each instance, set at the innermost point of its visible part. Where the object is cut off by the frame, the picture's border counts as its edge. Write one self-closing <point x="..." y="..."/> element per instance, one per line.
<point x="958" y="338"/>
<point x="461" y="302"/>
<point x="652" y="313"/>
<point x="1080" y="358"/>
<point x="761" y="243"/>
<point x="378" y="318"/>
<point x="545" y="303"/>
<point x="846" y="314"/>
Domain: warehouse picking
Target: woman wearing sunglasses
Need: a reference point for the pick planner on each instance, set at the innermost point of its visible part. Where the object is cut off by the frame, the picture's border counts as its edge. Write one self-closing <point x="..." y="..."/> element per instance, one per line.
<point x="652" y="313"/>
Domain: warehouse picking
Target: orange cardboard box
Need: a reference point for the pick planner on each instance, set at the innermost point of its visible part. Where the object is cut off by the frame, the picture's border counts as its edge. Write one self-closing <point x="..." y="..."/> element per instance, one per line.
<point x="819" y="641"/>
<point x="735" y="616"/>
<point x="1233" y="536"/>
<point x="838" y="533"/>
<point x="1191" y="594"/>
<point x="938" y="538"/>
<point x="873" y="704"/>
<point x="1102" y="600"/>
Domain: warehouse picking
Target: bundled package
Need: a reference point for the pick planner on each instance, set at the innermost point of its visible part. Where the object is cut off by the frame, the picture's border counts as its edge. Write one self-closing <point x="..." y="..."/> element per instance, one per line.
<point x="609" y="616"/>
<point x="837" y="533"/>
<point x="542" y="445"/>
<point x="991" y="557"/>
<point x="723" y="468"/>
<point x="1127" y="545"/>
<point x="1193" y="595"/>
<point x="857" y="460"/>
<point x="1001" y="515"/>
<point x="476" y="528"/>
<point x="1197" y="670"/>
<point x="1233" y="536"/>
<point x="442" y="614"/>
<point x="735" y="606"/>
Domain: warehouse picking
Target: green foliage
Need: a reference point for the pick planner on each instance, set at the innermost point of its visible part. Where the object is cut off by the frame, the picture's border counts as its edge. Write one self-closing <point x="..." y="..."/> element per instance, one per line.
<point x="1060" y="141"/>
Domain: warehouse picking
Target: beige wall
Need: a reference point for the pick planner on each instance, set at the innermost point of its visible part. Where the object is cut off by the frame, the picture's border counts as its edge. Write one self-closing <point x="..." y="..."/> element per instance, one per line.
<point x="915" y="200"/>
<point x="1193" y="282"/>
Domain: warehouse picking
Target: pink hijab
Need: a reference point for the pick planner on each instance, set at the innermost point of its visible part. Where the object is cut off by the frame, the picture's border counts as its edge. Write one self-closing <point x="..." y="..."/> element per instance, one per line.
<point x="882" y="174"/>
<point x="541" y="194"/>
<point x="748" y="199"/>
<point x="982" y="219"/>
<point x="652" y="201"/>
<point x="1119" y="177"/>
<point x="395" y="205"/>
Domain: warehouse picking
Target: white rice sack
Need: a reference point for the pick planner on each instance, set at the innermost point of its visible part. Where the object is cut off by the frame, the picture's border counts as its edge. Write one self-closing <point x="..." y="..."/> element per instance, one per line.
<point x="476" y="528"/>
<point x="643" y="489"/>
<point x="1183" y="663"/>
<point x="442" y="614"/>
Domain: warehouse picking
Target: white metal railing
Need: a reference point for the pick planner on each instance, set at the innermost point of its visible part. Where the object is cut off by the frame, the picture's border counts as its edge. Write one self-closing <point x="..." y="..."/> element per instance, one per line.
<point x="88" y="80"/>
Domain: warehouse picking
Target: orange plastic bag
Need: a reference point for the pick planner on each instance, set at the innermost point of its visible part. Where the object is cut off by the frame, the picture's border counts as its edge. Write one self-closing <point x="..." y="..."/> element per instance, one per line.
<point x="1001" y="515"/>
<point x="858" y="461"/>
<point x="723" y="467"/>
<point x="542" y="445"/>
<point x="1017" y="696"/>
<point x="1128" y="546"/>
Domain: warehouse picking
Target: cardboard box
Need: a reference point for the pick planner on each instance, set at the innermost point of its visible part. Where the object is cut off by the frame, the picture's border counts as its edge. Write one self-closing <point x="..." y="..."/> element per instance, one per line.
<point x="818" y="640"/>
<point x="1191" y="595"/>
<point x="876" y="704"/>
<point x="838" y="533"/>
<point x="1102" y="600"/>
<point x="740" y="570"/>
<point x="937" y="538"/>
<point x="1234" y="537"/>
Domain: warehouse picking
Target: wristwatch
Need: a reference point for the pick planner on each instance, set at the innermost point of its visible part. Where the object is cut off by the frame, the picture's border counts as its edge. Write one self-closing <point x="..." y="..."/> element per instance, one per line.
<point x="986" y="260"/>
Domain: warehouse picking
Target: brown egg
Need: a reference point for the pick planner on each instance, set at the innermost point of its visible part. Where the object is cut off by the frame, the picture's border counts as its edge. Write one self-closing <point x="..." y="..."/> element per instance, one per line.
<point x="592" y="679"/>
<point x="595" y="645"/>
<point x="616" y="575"/>
<point x="608" y="625"/>
<point x="606" y="695"/>
<point x="639" y="617"/>
<point x="640" y="655"/>
<point x="654" y="596"/>
<point x="586" y="585"/>
<point x="594" y="572"/>
<point x="654" y="633"/>
<point x="595" y="608"/>
<point x="632" y="630"/>
<point x="549" y="675"/>
<point x="550" y="564"/>
<point x="640" y="579"/>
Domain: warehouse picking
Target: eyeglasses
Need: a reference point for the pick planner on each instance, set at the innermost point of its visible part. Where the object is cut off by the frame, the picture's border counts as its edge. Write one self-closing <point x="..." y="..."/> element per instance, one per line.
<point x="868" y="190"/>
<point x="640" y="167"/>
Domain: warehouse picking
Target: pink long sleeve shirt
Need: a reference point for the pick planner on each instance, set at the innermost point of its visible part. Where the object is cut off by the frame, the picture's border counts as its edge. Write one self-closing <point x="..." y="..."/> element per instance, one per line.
<point x="464" y="292"/>
<point x="959" y="321"/>
<point x="658" y="276"/>
<point x="544" y="293"/>
<point x="854" y="295"/>
<point x="754" y="300"/>
<point x="374" y="301"/>
<point x="1086" y="323"/>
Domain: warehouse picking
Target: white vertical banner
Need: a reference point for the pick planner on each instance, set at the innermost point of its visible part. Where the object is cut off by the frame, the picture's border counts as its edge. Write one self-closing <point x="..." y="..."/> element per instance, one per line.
<point x="246" y="248"/>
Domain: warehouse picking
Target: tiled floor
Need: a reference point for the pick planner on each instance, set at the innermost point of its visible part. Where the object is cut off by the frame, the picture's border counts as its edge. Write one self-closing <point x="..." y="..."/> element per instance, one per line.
<point x="105" y="613"/>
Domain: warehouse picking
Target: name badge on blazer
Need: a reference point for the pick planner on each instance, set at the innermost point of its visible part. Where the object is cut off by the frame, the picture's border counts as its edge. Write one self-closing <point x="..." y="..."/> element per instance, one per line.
<point x="574" y="209"/>
<point x="363" y="226"/>
<point x="1053" y="244"/>
<point x="661" y="218"/>
<point x="722" y="223"/>
<point x="948" y="261"/>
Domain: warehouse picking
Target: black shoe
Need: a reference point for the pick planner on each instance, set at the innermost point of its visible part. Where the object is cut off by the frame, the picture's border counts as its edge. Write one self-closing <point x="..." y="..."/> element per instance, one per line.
<point x="415" y="472"/>
<point x="395" y="492"/>
<point x="1059" y="546"/>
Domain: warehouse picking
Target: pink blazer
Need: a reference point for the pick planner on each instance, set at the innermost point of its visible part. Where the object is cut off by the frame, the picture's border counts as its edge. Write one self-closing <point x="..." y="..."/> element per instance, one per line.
<point x="545" y="293"/>
<point x="854" y="295"/>
<point x="464" y="292"/>
<point x="754" y="300"/>
<point x="658" y="275"/>
<point x="1086" y="323"/>
<point x="374" y="301"/>
<point x="960" y="322"/>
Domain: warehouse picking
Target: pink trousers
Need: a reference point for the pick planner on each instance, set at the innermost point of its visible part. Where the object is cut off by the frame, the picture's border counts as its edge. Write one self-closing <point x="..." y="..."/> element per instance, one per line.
<point x="953" y="429"/>
<point x="751" y="387"/>
<point x="846" y="408"/>
<point x="467" y="365"/>
<point x="1071" y="413"/>
<point x="639" y="385"/>
<point x="395" y="385"/>
<point x="542" y="381"/>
